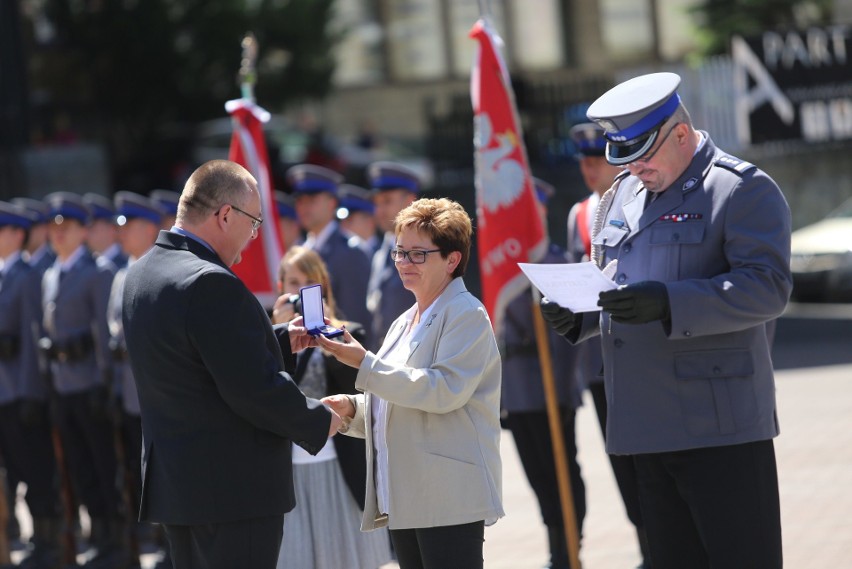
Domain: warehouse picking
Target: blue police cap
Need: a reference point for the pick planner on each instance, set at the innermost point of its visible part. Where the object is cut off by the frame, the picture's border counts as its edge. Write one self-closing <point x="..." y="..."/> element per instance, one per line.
<point x="101" y="207"/>
<point x="632" y="113"/>
<point x="543" y="190"/>
<point x="588" y="139"/>
<point x="313" y="179"/>
<point x="130" y="205"/>
<point x="167" y="200"/>
<point x="67" y="205"/>
<point x="16" y="216"/>
<point x="285" y="204"/>
<point x="39" y="209"/>
<point x="356" y="198"/>
<point x="391" y="176"/>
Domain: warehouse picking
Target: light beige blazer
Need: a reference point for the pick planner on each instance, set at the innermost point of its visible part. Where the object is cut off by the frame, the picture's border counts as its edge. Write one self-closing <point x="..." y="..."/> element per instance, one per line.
<point x="443" y="432"/>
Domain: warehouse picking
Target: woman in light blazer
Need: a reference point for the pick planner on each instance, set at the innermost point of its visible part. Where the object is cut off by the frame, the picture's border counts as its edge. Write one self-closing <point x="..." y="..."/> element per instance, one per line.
<point x="430" y="403"/>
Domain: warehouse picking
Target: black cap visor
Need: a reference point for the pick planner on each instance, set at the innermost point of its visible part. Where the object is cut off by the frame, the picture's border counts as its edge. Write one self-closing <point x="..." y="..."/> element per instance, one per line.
<point x="623" y="153"/>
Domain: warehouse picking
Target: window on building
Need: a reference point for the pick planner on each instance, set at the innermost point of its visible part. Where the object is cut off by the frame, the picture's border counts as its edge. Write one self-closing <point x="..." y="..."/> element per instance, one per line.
<point x="627" y="29"/>
<point x="537" y="34"/>
<point x="415" y="40"/>
<point x="359" y="54"/>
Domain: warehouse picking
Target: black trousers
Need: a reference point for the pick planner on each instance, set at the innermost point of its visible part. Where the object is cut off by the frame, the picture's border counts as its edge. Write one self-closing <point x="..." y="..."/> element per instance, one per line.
<point x="28" y="456"/>
<point x="441" y="547"/>
<point x="622" y="465"/>
<point x="246" y="544"/>
<point x="712" y="508"/>
<point x="531" y="432"/>
<point x="89" y="444"/>
<point x="131" y="435"/>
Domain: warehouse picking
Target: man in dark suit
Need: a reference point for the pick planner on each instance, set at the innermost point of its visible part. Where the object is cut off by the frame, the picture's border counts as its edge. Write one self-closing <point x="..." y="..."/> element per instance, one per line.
<point x="218" y="412"/>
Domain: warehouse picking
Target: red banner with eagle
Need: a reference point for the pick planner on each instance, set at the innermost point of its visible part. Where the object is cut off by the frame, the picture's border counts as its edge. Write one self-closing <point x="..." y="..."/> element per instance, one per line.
<point x="509" y="228"/>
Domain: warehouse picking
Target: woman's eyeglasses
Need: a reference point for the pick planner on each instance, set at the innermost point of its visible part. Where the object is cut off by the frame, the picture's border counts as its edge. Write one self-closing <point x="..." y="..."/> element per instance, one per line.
<point x="416" y="256"/>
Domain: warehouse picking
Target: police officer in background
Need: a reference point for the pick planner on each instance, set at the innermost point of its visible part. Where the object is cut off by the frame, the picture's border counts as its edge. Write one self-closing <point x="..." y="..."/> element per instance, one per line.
<point x="288" y="221"/>
<point x="598" y="175"/>
<point x="167" y="201"/>
<point x="139" y="220"/>
<point x="39" y="255"/>
<point x="75" y="291"/>
<point x="357" y="217"/>
<point x="315" y="189"/>
<point x="524" y="409"/>
<point x="394" y="188"/>
<point x="38" y="252"/>
<point x="102" y="237"/>
<point x="25" y="439"/>
<point x="699" y="242"/>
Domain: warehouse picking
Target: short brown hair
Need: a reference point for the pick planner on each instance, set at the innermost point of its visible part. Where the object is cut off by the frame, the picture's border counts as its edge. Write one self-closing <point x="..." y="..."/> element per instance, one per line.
<point x="445" y="222"/>
<point x="211" y="185"/>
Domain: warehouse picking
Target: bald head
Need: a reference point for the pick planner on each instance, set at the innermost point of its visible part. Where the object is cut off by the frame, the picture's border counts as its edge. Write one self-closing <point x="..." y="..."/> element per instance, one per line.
<point x="213" y="184"/>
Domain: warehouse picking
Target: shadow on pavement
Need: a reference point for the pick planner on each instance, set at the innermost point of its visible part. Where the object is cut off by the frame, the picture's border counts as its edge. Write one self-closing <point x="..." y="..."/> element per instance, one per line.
<point x="809" y="335"/>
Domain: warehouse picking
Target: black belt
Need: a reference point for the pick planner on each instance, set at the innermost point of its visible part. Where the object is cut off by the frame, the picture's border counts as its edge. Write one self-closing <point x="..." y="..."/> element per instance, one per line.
<point x="10" y="346"/>
<point x="70" y="350"/>
<point x="118" y="350"/>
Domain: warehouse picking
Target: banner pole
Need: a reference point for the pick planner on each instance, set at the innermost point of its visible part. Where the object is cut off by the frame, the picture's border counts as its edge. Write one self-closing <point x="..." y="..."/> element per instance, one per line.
<point x="563" y="475"/>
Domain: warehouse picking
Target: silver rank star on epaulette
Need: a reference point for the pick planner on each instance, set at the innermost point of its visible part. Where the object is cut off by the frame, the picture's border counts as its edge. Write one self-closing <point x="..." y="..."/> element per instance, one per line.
<point x="734" y="164"/>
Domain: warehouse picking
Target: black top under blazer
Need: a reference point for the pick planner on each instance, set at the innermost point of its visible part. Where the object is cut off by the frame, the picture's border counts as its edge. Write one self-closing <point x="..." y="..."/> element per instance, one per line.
<point x="218" y="411"/>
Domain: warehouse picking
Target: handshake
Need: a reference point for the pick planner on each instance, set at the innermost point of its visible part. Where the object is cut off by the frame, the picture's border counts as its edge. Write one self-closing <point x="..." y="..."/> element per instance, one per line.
<point x="637" y="303"/>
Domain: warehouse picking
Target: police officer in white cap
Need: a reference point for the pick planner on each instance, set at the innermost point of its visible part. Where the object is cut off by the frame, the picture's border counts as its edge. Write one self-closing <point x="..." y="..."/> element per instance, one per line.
<point x="699" y="242"/>
<point x="598" y="175"/>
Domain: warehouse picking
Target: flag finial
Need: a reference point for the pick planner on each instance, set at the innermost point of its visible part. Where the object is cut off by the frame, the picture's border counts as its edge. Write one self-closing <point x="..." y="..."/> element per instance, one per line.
<point x="248" y="73"/>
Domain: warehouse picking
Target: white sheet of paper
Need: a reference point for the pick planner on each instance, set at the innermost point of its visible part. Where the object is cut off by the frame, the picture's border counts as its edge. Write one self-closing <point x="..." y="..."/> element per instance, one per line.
<point x="575" y="286"/>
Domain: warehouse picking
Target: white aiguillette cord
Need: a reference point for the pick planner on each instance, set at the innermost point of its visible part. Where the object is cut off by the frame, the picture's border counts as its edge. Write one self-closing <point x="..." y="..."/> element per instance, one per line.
<point x="600" y="215"/>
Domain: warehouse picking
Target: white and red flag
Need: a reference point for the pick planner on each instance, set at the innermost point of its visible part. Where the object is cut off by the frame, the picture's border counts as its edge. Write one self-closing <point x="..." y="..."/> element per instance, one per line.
<point x="509" y="228"/>
<point x="259" y="266"/>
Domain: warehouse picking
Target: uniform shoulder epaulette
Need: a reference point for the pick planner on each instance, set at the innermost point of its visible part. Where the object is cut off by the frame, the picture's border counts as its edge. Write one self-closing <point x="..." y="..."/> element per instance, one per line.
<point x="734" y="164"/>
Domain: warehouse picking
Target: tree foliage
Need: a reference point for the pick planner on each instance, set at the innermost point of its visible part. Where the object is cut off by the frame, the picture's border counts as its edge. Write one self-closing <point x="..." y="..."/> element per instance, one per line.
<point x="126" y="68"/>
<point x="721" y="19"/>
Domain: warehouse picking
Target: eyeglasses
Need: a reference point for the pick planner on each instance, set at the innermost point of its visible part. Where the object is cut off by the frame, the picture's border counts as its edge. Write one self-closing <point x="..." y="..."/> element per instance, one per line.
<point x="255" y="221"/>
<point x="416" y="256"/>
<point x="650" y="154"/>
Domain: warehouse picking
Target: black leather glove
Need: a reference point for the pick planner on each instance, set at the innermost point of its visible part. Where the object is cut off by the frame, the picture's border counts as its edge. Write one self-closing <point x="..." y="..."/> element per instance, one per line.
<point x="560" y="319"/>
<point x="637" y="303"/>
<point x="32" y="412"/>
